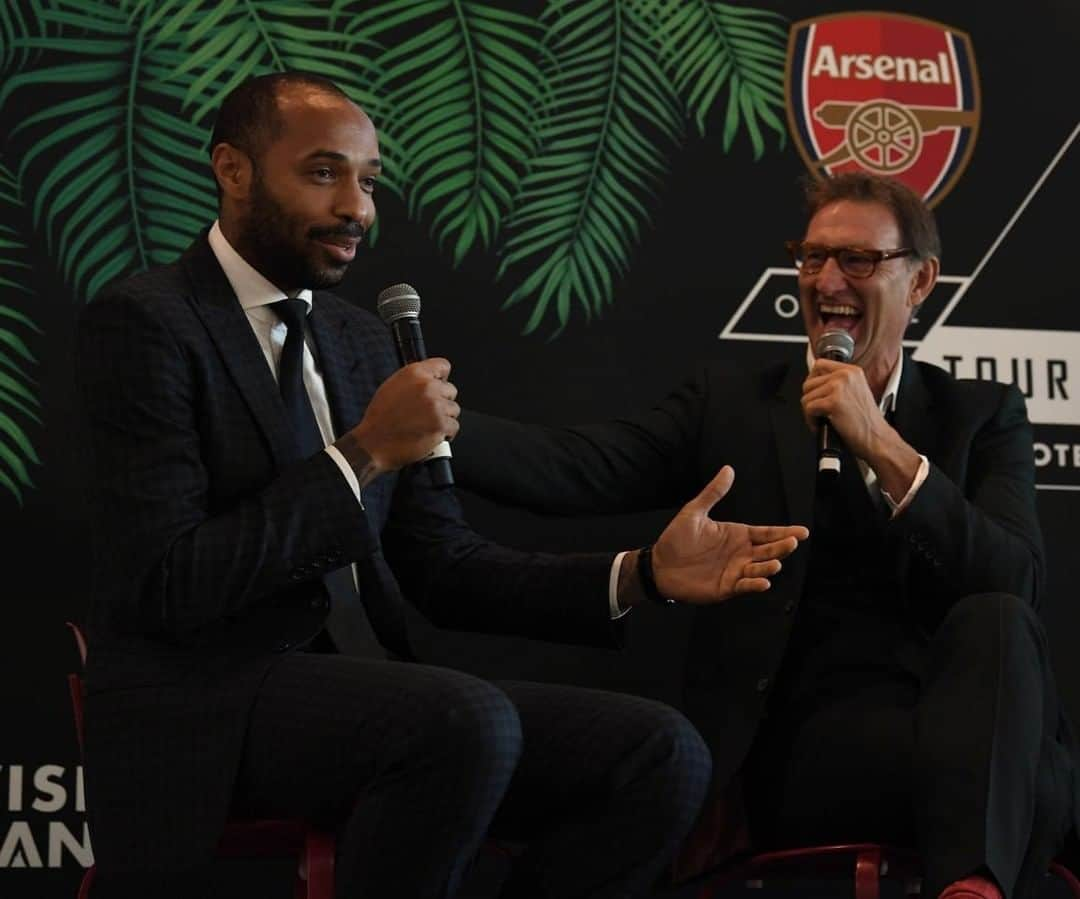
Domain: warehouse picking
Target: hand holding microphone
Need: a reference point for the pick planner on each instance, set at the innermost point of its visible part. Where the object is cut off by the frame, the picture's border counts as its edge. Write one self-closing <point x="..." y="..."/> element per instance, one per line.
<point x="410" y="413"/>
<point x="837" y="401"/>
<point x="399" y="308"/>
<point x="836" y="346"/>
<point x="414" y="411"/>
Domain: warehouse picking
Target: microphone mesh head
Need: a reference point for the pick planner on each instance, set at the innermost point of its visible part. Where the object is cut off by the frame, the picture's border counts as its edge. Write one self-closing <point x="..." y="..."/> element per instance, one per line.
<point x="398" y="301"/>
<point x="835" y="344"/>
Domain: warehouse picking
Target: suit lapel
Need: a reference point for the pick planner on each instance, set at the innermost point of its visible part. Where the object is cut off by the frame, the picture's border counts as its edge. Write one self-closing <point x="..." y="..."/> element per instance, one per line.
<point x="913" y="411"/>
<point x="912" y="419"/>
<point x="228" y="326"/>
<point x="345" y="386"/>
<point x="795" y="446"/>
<point x="328" y="326"/>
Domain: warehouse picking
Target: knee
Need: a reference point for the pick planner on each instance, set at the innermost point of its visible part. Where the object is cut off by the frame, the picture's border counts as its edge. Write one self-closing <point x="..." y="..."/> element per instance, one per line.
<point x="689" y="748"/>
<point x="991" y="617"/>
<point x="680" y="758"/>
<point x="473" y="725"/>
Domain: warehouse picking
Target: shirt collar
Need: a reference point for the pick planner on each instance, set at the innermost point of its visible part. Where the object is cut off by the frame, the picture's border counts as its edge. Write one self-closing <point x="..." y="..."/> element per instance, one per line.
<point x="251" y="288"/>
<point x="892" y="386"/>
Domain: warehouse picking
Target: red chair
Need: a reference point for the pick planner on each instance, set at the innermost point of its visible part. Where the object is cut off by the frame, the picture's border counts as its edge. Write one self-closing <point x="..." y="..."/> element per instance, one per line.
<point x="242" y="838"/>
<point x="718" y="853"/>
<point x="865" y="863"/>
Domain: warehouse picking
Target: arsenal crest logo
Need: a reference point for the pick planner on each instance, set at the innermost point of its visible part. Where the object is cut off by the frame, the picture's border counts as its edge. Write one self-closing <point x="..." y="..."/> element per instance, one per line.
<point x="892" y="94"/>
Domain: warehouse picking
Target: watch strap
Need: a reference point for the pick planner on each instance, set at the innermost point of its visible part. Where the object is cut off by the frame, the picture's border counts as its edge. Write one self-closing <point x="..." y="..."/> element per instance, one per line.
<point x="648" y="577"/>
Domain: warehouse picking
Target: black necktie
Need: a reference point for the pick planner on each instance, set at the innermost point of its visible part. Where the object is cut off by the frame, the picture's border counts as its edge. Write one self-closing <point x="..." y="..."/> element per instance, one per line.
<point x="347" y="623"/>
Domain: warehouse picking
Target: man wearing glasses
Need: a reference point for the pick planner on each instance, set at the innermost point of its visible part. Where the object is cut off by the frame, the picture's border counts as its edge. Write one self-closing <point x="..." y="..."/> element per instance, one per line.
<point x="893" y="685"/>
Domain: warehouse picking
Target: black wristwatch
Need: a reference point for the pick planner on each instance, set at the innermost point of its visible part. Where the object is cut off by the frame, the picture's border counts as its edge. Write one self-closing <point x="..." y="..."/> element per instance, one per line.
<point x="648" y="579"/>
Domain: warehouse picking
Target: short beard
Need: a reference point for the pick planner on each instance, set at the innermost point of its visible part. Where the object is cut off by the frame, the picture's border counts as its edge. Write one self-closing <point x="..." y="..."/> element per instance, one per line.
<point x="279" y="259"/>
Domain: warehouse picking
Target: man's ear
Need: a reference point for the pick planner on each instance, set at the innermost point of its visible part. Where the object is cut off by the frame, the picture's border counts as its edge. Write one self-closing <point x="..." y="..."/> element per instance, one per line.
<point x="233" y="171"/>
<point x="923" y="280"/>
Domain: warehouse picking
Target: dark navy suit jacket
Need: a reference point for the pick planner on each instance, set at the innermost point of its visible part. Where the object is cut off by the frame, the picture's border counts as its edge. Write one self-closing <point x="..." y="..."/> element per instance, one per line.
<point x="972" y="527"/>
<point x="211" y="541"/>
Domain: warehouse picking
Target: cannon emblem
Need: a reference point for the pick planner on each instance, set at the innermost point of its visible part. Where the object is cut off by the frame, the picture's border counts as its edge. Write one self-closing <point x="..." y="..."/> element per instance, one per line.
<point x="884" y="136"/>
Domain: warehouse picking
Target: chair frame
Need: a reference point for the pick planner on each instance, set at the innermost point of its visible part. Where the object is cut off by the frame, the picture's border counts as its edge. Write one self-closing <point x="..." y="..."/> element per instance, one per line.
<point x="242" y="838"/>
<point x="866" y="862"/>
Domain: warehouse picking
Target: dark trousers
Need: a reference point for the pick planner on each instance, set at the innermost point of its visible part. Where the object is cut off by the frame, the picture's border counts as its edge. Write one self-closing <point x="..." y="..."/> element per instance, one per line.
<point x="413" y="765"/>
<point x="959" y="756"/>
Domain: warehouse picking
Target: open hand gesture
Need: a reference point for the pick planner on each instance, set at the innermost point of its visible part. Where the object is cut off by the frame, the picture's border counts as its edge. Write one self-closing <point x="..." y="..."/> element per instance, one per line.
<point x="698" y="560"/>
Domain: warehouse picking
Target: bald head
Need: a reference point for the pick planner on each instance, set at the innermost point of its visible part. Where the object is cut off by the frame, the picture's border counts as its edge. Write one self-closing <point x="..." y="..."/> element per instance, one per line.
<point x="252" y="115"/>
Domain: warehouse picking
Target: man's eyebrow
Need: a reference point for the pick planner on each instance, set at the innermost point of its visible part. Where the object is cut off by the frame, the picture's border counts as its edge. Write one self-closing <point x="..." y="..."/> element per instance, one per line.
<point x="374" y="162"/>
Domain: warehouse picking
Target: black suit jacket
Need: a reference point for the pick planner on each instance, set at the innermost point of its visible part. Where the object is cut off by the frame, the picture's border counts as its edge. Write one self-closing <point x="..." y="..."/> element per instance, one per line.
<point x="211" y="542"/>
<point x="971" y="528"/>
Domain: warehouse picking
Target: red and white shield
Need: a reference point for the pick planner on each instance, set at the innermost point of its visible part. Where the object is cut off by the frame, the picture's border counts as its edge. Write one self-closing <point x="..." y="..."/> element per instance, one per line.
<point x="891" y="94"/>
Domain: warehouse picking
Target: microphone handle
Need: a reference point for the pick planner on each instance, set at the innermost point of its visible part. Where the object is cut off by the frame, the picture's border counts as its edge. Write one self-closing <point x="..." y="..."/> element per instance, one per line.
<point x="828" y="451"/>
<point x="410" y="346"/>
<point x="438" y="466"/>
<point x="409" y="339"/>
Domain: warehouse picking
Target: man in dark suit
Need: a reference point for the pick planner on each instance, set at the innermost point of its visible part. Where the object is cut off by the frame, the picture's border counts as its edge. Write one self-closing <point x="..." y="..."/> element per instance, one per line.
<point x="894" y="684"/>
<point x="256" y="528"/>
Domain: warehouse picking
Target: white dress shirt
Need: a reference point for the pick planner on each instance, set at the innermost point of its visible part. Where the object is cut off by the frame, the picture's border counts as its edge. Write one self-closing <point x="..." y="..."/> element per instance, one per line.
<point x="256" y="294"/>
<point x="887" y="405"/>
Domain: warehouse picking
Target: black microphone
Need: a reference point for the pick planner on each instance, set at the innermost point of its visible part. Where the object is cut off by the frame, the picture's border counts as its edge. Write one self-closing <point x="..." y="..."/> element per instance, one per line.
<point x="399" y="308"/>
<point x="838" y="346"/>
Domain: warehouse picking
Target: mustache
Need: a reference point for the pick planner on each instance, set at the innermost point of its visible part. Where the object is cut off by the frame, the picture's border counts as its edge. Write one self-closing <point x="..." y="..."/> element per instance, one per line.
<point x="353" y="230"/>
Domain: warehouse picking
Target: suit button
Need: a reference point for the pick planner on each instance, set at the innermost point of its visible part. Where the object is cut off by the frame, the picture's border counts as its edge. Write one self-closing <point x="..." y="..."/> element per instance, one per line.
<point x="282" y="646"/>
<point x="789" y="607"/>
<point x="762" y="684"/>
<point x="318" y="603"/>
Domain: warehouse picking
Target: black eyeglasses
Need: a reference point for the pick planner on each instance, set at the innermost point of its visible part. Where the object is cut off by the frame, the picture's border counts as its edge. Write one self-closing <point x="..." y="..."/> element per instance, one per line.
<point x="853" y="261"/>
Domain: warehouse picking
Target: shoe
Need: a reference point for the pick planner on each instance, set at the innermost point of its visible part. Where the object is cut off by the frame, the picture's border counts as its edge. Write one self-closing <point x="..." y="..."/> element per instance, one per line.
<point x="974" y="887"/>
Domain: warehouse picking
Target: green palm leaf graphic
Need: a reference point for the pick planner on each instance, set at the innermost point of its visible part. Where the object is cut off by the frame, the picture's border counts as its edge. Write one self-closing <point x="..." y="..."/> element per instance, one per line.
<point x="17" y="22"/>
<point x="17" y="399"/>
<point x="705" y="46"/>
<point x="120" y="180"/>
<point x="220" y="43"/>
<point x="223" y="42"/>
<point x="607" y="113"/>
<point x="559" y="158"/>
<point x="459" y="96"/>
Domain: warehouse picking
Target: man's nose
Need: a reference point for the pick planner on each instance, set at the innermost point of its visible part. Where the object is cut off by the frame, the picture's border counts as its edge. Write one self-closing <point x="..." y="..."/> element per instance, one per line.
<point x="354" y="203"/>
<point x="831" y="277"/>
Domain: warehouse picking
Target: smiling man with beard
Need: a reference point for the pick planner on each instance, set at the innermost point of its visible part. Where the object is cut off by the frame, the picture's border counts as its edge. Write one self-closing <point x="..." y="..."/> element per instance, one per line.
<point x="257" y="526"/>
<point x="894" y="685"/>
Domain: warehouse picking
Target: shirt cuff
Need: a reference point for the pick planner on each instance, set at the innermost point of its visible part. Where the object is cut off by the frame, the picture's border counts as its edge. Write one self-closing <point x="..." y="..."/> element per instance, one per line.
<point x="613" y="589"/>
<point x="920" y="476"/>
<point x="346" y="469"/>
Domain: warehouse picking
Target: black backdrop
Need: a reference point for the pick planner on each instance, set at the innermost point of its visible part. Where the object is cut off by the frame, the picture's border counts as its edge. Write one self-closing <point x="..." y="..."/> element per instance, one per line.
<point x="718" y="220"/>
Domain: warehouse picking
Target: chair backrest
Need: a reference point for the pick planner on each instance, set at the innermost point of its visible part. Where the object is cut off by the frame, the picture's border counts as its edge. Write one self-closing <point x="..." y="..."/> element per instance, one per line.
<point x="75" y="683"/>
<point x="80" y="640"/>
